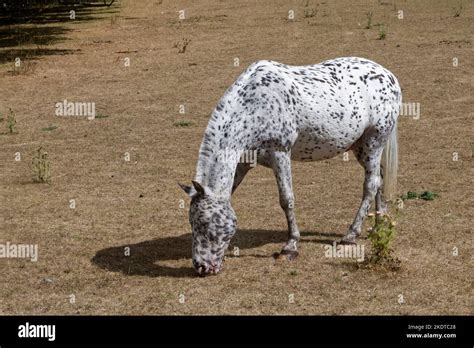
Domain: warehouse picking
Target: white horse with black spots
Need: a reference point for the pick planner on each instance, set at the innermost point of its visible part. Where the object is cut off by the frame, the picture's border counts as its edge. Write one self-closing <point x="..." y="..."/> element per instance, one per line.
<point x="300" y="113"/>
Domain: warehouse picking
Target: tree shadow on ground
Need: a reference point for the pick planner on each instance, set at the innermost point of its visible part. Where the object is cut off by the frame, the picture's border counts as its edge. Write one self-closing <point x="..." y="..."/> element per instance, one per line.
<point x="145" y="256"/>
<point x="29" y="33"/>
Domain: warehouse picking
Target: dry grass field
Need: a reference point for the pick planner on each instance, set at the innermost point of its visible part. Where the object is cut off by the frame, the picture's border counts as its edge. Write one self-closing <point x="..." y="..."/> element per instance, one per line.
<point x="138" y="204"/>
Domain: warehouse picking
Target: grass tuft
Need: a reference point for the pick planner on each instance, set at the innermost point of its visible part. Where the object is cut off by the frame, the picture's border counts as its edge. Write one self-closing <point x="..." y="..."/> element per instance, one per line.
<point x="369" y="20"/>
<point x="457" y="11"/>
<point x="41" y="166"/>
<point x="382" y="32"/>
<point x="183" y="123"/>
<point x="182" y="45"/>
<point x="11" y="121"/>
<point x="309" y="12"/>
<point x="49" y="128"/>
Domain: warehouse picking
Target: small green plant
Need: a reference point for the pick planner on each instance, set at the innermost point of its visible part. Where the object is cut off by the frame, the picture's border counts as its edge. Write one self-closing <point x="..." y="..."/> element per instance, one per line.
<point x="11" y="121"/>
<point x="425" y="195"/>
<point x="457" y="11"/>
<point x="382" y="33"/>
<point x="41" y="166"/>
<point x="410" y="195"/>
<point x="381" y="235"/>
<point x="183" y="123"/>
<point x="99" y="115"/>
<point x="369" y="20"/>
<point x="428" y="195"/>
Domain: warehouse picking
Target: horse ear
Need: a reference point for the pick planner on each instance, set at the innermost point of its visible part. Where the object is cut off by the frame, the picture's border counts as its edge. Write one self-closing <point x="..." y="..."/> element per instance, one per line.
<point x="198" y="187"/>
<point x="188" y="189"/>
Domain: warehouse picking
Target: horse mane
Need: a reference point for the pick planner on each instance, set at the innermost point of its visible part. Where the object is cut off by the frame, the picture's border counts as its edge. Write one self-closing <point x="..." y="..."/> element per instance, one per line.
<point x="209" y="150"/>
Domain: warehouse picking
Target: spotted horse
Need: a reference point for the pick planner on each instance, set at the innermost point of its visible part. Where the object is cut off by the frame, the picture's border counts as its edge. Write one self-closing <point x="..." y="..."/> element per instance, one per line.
<point x="300" y="113"/>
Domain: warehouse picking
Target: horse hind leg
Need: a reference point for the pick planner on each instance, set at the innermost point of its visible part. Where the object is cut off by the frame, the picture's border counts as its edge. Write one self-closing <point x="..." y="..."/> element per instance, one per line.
<point x="380" y="206"/>
<point x="369" y="154"/>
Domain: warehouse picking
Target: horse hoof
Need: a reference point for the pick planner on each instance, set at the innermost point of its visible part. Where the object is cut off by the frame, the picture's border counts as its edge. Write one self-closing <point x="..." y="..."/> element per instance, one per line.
<point x="348" y="240"/>
<point x="290" y="254"/>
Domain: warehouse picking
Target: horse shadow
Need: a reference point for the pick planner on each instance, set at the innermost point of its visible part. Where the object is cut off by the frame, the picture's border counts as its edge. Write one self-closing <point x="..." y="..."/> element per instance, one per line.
<point x="144" y="258"/>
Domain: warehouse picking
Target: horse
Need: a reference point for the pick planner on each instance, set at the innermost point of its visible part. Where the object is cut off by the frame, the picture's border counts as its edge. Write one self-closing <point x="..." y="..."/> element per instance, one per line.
<point x="299" y="113"/>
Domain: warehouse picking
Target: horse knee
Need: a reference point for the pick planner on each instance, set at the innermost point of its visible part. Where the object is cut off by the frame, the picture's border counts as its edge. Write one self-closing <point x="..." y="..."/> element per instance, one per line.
<point x="372" y="184"/>
<point x="286" y="203"/>
<point x="377" y="182"/>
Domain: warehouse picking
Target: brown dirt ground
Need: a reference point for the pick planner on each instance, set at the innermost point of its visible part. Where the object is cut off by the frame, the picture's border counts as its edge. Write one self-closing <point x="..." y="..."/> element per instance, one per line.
<point x="81" y="250"/>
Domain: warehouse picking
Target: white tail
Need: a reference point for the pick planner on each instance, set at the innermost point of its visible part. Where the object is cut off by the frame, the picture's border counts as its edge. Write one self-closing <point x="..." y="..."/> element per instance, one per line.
<point x="390" y="165"/>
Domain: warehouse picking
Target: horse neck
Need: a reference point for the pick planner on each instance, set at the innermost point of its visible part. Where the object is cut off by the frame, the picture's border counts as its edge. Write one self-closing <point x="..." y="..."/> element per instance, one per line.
<point x="218" y="158"/>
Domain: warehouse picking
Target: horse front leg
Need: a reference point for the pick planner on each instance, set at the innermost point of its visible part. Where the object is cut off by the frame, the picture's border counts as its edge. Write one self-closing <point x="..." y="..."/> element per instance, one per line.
<point x="281" y="165"/>
<point x="240" y="172"/>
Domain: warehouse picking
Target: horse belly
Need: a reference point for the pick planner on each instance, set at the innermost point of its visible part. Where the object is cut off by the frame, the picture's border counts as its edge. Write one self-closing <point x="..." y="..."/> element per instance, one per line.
<point x="319" y="143"/>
